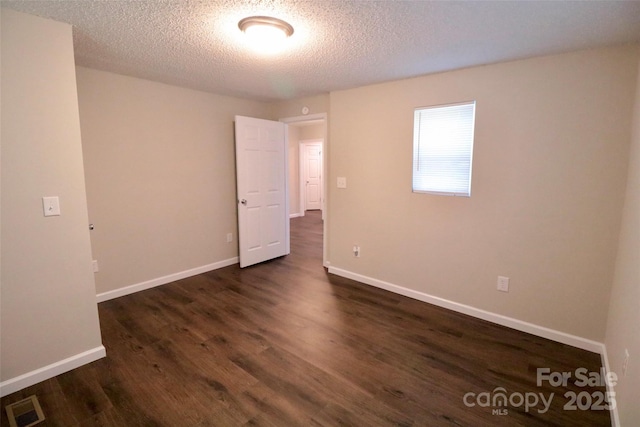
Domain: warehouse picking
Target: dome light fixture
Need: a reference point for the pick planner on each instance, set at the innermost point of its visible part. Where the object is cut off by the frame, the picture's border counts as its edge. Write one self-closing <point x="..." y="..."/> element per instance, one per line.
<point x="266" y="34"/>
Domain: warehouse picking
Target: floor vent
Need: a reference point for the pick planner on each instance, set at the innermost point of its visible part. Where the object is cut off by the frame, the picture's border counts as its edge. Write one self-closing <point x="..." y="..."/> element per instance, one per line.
<point x="25" y="413"/>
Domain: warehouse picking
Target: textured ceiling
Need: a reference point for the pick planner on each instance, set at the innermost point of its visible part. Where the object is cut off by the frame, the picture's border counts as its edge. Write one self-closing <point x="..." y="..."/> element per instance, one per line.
<point x="336" y="44"/>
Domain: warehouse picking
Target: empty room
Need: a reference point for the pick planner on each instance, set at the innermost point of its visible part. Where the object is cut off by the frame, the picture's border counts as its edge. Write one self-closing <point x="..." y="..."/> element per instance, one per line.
<point x="295" y="213"/>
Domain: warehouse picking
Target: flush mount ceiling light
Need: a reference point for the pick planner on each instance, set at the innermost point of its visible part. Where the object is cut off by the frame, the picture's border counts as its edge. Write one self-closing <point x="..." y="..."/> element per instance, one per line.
<point x="266" y="34"/>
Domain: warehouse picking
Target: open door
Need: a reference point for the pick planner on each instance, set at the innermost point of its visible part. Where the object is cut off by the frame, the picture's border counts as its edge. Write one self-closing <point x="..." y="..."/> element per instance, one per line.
<point x="263" y="199"/>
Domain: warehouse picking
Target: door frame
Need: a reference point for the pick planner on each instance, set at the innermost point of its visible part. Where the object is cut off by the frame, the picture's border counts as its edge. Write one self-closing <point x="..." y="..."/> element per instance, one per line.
<point x="303" y="205"/>
<point x="325" y="176"/>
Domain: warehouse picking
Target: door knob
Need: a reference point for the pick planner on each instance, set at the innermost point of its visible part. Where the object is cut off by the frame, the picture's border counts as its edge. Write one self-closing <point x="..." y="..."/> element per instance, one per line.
<point x="244" y="202"/>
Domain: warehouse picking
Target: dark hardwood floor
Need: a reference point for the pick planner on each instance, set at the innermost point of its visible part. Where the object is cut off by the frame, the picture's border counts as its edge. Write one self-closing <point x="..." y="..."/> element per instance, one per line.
<point x="284" y="343"/>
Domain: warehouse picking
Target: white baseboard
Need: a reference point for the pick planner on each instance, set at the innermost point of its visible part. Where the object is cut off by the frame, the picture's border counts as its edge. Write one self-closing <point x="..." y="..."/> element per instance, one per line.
<point x="116" y="293"/>
<point x="509" y="322"/>
<point x="50" y="371"/>
<point x="615" y="418"/>
<point x="295" y="215"/>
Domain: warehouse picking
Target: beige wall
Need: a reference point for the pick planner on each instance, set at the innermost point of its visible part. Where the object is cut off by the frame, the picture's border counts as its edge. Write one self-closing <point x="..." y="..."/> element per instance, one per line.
<point x="624" y="313"/>
<point x="311" y="132"/>
<point x="160" y="172"/>
<point x="549" y="172"/>
<point x="48" y="309"/>
<point x="293" y="107"/>
<point x="294" y="170"/>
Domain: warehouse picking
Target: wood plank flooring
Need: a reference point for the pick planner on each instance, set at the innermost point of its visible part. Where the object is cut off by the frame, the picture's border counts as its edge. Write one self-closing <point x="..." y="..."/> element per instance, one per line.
<point x="284" y="343"/>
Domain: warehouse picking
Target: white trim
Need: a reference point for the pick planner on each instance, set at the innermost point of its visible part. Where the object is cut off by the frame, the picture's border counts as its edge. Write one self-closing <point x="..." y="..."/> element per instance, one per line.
<point x="295" y="215"/>
<point x="307" y="118"/>
<point x="509" y="322"/>
<point x="301" y="184"/>
<point x="34" y="377"/>
<point x="116" y="293"/>
<point x="615" y="418"/>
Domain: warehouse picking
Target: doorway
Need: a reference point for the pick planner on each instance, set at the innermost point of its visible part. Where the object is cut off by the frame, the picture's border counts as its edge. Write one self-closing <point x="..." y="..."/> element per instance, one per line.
<point x="311" y="172"/>
<point x="312" y="129"/>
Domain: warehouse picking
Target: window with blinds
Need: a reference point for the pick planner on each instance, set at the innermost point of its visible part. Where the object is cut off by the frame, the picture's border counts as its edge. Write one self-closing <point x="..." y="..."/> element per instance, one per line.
<point x="443" y="149"/>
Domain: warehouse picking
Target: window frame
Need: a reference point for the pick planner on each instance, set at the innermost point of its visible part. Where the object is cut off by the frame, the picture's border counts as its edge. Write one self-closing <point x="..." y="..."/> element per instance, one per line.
<point x="416" y="150"/>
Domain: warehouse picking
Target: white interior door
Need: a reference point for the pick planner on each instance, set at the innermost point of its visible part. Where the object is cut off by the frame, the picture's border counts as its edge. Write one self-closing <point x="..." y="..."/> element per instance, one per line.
<point x="261" y="176"/>
<point x="311" y="159"/>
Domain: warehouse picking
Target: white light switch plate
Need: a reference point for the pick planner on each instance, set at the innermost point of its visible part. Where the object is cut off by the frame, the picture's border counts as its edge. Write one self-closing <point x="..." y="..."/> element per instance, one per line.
<point x="342" y="182"/>
<point x="503" y="284"/>
<point x="51" y="206"/>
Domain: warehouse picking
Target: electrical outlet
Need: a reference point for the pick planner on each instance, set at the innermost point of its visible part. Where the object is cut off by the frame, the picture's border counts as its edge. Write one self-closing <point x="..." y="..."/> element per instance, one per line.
<point x="229" y="237"/>
<point x="625" y="364"/>
<point x="94" y="263"/>
<point x="503" y="284"/>
<point x="342" y="182"/>
<point x="356" y="251"/>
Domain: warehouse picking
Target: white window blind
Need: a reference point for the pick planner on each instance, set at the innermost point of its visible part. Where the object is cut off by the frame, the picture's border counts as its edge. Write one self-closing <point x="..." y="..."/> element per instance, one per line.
<point x="443" y="149"/>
